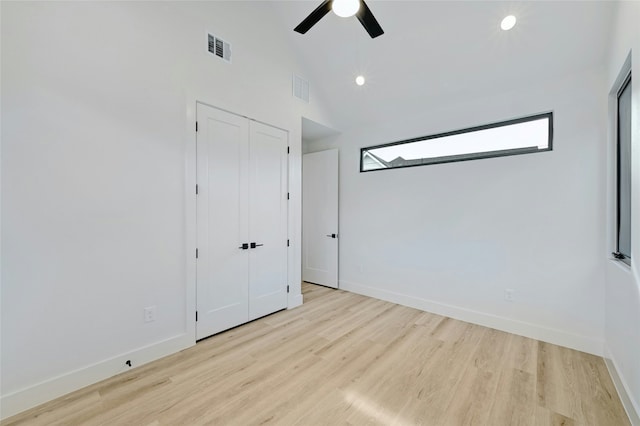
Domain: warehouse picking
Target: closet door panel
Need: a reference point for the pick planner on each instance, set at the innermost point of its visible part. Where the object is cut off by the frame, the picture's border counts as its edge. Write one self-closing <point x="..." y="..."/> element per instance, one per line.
<point x="222" y="221"/>
<point x="267" y="219"/>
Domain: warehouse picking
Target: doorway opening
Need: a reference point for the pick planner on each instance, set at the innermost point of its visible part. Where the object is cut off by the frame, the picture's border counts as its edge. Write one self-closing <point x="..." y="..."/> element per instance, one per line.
<point x="320" y="197"/>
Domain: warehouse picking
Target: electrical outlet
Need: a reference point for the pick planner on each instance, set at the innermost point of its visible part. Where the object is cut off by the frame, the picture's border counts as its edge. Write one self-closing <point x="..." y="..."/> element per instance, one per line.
<point x="149" y="314"/>
<point x="508" y="294"/>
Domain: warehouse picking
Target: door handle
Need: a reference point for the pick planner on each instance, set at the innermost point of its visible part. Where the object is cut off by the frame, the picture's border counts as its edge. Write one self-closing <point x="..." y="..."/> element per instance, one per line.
<point x="333" y="236"/>
<point x="254" y="245"/>
<point x="244" y="246"/>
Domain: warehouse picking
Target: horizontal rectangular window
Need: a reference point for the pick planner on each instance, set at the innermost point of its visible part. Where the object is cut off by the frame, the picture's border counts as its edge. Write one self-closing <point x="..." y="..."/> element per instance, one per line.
<point x="520" y="136"/>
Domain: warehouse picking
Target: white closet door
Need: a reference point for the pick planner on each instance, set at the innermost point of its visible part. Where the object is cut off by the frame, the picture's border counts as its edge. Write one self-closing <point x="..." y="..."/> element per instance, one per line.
<point x="222" y="221"/>
<point x="267" y="219"/>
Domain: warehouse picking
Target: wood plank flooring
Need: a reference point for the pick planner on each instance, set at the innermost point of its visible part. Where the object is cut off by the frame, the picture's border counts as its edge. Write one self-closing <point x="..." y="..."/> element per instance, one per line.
<point x="343" y="358"/>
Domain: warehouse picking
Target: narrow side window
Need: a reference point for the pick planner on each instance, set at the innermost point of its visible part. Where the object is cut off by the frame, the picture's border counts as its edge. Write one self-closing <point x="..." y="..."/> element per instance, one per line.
<point x="623" y="172"/>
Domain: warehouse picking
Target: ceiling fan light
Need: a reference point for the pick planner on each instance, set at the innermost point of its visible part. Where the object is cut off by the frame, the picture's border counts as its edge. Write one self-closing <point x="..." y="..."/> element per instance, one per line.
<point x="345" y="8"/>
<point x="508" y="22"/>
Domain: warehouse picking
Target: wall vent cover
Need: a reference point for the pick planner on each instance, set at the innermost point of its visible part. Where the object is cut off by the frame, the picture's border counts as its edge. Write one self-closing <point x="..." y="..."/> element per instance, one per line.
<point x="301" y="88"/>
<point x="219" y="47"/>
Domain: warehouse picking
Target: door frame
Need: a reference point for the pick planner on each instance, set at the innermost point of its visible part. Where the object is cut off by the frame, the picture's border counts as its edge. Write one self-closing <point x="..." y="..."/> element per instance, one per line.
<point x="294" y="208"/>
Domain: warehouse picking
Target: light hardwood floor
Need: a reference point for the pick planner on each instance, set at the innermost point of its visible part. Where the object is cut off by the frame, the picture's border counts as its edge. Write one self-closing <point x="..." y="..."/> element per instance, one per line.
<point x="343" y="358"/>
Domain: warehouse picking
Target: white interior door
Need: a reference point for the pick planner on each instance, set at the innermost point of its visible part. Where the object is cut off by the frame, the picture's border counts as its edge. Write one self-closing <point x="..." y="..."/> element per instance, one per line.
<point x="267" y="219"/>
<point x="320" y="218"/>
<point x="222" y="221"/>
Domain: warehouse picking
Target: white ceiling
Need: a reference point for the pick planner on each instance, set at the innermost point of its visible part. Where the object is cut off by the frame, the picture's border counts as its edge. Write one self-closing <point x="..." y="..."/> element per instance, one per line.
<point x="436" y="52"/>
<point x="312" y="131"/>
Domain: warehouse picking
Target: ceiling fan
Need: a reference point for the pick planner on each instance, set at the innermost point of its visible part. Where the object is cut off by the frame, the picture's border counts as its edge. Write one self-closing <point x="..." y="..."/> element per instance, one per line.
<point x="343" y="8"/>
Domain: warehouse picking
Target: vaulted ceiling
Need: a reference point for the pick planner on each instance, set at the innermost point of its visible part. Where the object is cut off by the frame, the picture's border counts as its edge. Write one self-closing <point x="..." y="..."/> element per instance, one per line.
<point x="442" y="52"/>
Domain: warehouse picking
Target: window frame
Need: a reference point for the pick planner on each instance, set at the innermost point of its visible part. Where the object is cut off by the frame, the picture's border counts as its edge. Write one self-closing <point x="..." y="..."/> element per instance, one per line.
<point x="468" y="156"/>
<point x="624" y="257"/>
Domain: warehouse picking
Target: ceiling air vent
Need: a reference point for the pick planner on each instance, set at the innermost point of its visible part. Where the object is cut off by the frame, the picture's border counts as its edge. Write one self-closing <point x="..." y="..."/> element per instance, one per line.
<point x="301" y="88"/>
<point x="219" y="47"/>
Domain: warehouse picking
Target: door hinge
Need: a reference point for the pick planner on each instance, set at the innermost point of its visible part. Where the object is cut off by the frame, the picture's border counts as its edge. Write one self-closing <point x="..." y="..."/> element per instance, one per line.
<point x="196" y="253"/>
<point x="287" y="150"/>
<point x="196" y="126"/>
<point x="196" y="316"/>
<point x="287" y="195"/>
<point x="196" y="189"/>
<point x="287" y="289"/>
<point x="287" y="243"/>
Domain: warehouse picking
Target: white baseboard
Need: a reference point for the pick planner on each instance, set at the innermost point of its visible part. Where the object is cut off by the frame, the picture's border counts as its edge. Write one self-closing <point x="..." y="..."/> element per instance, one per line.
<point x="63" y="384"/>
<point x="630" y="406"/>
<point x="534" y="331"/>
<point x="295" y="300"/>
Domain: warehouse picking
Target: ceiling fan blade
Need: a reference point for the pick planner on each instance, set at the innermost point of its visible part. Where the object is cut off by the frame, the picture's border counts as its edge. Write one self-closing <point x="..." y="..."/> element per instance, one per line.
<point x="368" y="21"/>
<point x="313" y="17"/>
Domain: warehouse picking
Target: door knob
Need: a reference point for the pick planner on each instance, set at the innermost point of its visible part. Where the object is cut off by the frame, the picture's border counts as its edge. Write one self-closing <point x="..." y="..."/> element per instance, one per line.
<point x="244" y="246"/>
<point x="333" y="236"/>
<point x="254" y="245"/>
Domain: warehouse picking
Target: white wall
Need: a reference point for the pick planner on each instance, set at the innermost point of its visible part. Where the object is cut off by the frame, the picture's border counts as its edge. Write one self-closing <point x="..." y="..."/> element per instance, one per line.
<point x="450" y="238"/>
<point x="97" y="172"/>
<point x="622" y="331"/>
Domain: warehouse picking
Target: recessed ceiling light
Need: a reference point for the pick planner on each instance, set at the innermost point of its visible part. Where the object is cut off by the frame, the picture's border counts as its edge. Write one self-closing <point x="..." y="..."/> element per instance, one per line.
<point x="508" y="22"/>
<point x="359" y="80"/>
<point x="345" y="8"/>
